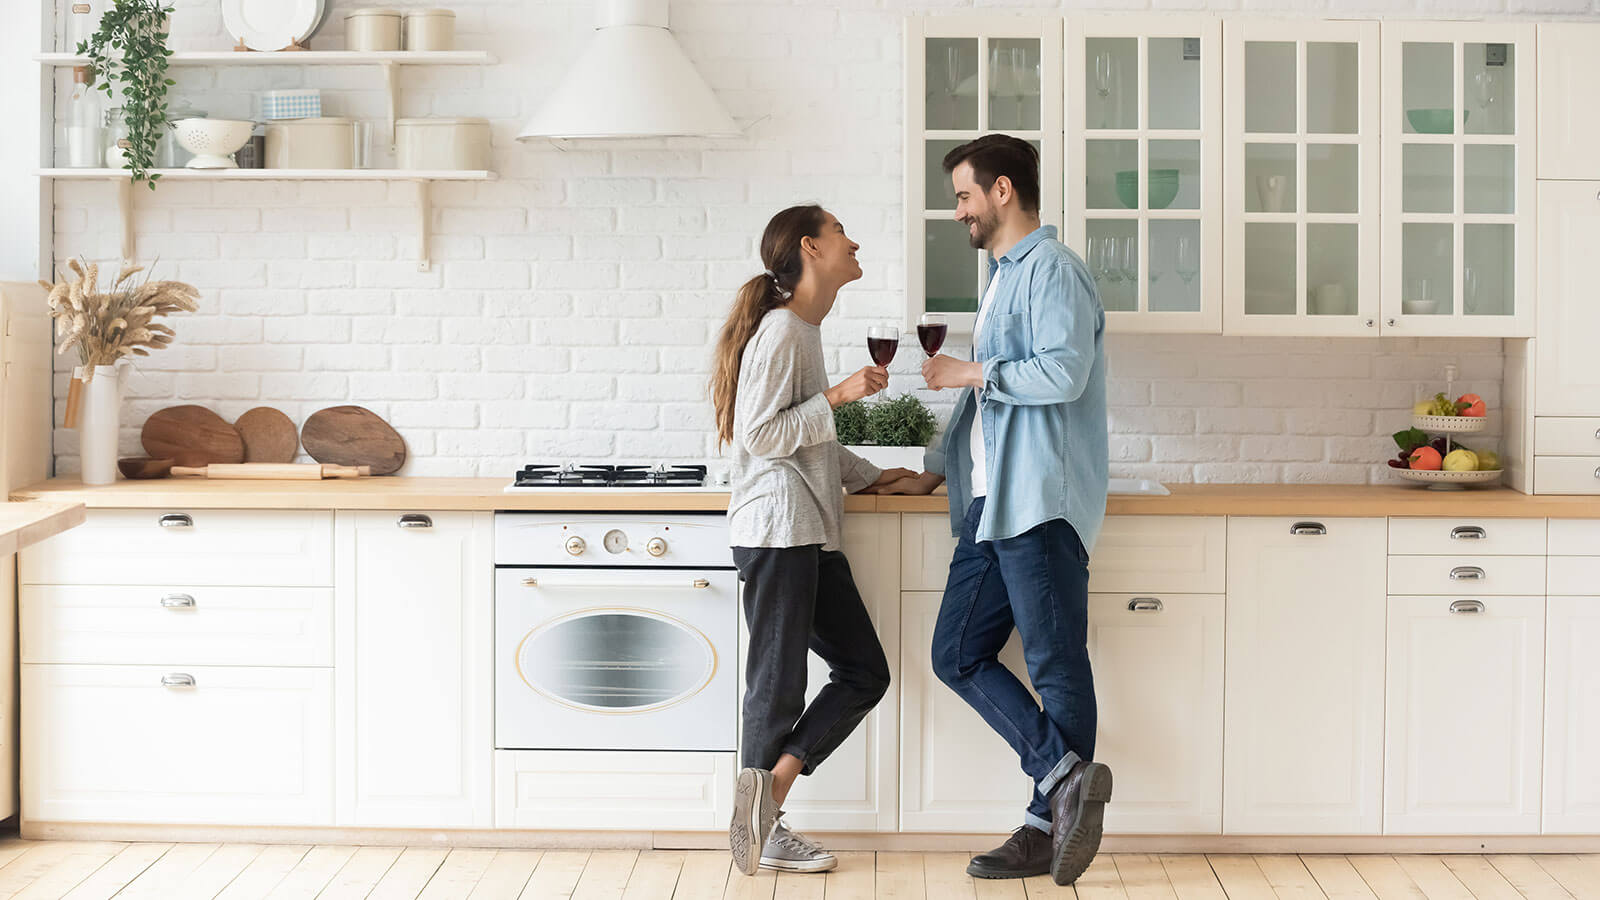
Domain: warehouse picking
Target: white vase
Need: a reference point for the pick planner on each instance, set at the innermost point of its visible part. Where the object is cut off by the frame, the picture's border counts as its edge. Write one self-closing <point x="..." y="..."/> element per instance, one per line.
<point x="890" y="457"/>
<point x="99" y="414"/>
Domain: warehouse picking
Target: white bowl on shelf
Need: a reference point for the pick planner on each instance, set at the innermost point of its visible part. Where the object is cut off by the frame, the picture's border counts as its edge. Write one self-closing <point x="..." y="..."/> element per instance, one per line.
<point x="212" y="141"/>
<point x="1419" y="307"/>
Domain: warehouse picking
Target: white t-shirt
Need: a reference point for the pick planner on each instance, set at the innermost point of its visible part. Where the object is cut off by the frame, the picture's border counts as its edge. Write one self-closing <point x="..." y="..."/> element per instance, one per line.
<point x="980" y="459"/>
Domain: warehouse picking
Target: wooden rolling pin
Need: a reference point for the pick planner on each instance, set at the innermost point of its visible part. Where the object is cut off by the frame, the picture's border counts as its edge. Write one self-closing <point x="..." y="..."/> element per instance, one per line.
<point x="300" y="471"/>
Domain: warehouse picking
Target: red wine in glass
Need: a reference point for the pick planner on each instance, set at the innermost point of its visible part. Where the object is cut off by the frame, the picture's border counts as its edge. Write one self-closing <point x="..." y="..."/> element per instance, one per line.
<point x="932" y="337"/>
<point x="882" y="342"/>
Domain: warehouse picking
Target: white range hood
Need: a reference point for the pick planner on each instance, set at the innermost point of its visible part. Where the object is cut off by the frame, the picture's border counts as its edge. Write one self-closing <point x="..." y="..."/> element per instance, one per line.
<point x="633" y="80"/>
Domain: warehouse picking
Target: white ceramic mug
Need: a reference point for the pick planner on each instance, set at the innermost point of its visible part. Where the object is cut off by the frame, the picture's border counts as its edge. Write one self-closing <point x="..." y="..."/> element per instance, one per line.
<point x="1328" y="300"/>
<point x="1270" y="190"/>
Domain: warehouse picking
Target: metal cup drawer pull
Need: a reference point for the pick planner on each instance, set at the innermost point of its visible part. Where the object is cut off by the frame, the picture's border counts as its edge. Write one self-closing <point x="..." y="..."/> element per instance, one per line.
<point x="177" y="679"/>
<point x="414" y="520"/>
<point x="1467" y="573"/>
<point x="1308" y="528"/>
<point x="178" y="601"/>
<point x="1145" y="604"/>
<point x="175" y="520"/>
<point x="1467" y="606"/>
<point x="1468" y="533"/>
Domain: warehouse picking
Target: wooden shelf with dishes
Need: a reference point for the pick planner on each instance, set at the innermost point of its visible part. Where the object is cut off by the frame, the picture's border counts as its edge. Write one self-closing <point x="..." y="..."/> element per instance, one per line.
<point x="280" y="174"/>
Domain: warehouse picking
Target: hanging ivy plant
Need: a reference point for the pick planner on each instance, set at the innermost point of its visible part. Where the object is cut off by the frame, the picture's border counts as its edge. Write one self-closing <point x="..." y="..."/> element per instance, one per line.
<point x="130" y="49"/>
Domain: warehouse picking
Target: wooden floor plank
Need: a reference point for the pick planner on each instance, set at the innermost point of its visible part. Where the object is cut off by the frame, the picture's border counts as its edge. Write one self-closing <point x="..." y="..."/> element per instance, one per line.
<point x="1386" y="879"/>
<point x="1241" y="877"/>
<point x="1433" y="878"/>
<point x="161" y="881"/>
<point x="854" y="879"/>
<point x="15" y="849"/>
<point x="557" y="875"/>
<point x="313" y="872"/>
<point x="655" y="875"/>
<point x="1043" y="887"/>
<point x="1338" y="879"/>
<point x="116" y="874"/>
<point x="1579" y="875"/>
<point x="69" y="871"/>
<point x="704" y="875"/>
<point x="1481" y="878"/>
<point x="998" y="888"/>
<point x="360" y="874"/>
<point x="458" y="874"/>
<point x="217" y="871"/>
<point x="1143" y="877"/>
<point x="28" y="866"/>
<point x="899" y="876"/>
<point x="409" y="874"/>
<point x="1529" y="878"/>
<point x="800" y="886"/>
<point x="945" y="875"/>
<point x="760" y="886"/>
<point x="1191" y="877"/>
<point x="264" y="872"/>
<point x="605" y="875"/>
<point x="507" y="875"/>
<point x="1289" y="877"/>
<point x="1100" y="881"/>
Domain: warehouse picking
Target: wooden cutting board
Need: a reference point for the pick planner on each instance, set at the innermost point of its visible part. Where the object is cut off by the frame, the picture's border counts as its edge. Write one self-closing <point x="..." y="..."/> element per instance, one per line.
<point x="191" y="436"/>
<point x="353" y="436"/>
<point x="269" y="436"/>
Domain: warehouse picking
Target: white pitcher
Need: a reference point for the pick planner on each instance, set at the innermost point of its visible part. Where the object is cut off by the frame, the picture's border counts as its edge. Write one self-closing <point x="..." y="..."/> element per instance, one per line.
<point x="99" y="416"/>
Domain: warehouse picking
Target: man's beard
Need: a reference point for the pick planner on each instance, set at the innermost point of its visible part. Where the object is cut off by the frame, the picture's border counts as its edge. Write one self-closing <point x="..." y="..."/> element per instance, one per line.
<point x="984" y="230"/>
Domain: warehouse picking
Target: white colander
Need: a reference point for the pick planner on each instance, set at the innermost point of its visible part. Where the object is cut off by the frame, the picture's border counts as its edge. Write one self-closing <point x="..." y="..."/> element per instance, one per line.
<point x="212" y="141"/>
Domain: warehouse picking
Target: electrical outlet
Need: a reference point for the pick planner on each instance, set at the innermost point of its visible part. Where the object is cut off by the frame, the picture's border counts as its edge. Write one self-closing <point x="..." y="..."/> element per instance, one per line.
<point x="1494" y="54"/>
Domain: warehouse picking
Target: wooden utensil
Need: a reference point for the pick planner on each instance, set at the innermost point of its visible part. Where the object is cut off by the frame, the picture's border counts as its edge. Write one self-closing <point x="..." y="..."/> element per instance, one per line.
<point x="265" y="471"/>
<point x="69" y="419"/>
<point x="144" y="467"/>
<point x="269" y="436"/>
<point x="191" y="436"/>
<point x="353" y="436"/>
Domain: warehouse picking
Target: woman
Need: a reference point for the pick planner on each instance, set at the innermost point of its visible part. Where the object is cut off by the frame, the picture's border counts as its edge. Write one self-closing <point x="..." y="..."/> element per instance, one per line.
<point x="775" y="407"/>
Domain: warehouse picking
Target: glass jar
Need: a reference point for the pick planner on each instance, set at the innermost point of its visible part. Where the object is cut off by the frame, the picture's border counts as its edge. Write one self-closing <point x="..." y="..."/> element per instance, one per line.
<point x="116" y="131"/>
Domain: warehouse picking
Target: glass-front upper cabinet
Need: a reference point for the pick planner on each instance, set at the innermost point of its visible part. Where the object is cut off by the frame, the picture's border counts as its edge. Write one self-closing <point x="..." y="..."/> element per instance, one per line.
<point x="1302" y="185"/>
<point x="1458" y="218"/>
<point x="1144" y="167"/>
<point x="965" y="77"/>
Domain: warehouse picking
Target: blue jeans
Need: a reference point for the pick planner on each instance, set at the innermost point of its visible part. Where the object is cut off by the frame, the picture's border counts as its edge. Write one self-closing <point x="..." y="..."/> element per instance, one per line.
<point x="1037" y="583"/>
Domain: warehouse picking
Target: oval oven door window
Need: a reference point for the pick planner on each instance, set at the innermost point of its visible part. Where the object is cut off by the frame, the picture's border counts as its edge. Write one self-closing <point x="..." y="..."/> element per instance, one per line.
<point x="616" y="661"/>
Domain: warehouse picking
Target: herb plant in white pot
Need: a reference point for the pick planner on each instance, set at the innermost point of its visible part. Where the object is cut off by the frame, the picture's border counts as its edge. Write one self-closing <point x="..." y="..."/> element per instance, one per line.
<point x="887" y="433"/>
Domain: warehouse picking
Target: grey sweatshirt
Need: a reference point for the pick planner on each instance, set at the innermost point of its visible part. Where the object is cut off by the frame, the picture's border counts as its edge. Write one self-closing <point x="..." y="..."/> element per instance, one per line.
<point x="788" y="468"/>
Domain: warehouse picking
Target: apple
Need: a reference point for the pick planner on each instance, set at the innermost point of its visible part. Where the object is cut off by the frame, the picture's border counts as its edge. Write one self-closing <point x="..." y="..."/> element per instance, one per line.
<point x="1426" y="458"/>
<point x="1477" y="410"/>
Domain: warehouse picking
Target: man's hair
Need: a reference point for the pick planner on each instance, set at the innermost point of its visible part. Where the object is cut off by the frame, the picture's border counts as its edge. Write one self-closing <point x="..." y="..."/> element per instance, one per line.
<point x="994" y="155"/>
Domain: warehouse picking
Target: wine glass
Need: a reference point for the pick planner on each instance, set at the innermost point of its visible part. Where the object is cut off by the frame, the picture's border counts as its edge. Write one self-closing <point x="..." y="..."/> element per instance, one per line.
<point x="1486" y="90"/>
<point x="882" y="342"/>
<point x="1104" y="66"/>
<point x="1108" y="259"/>
<point x="1188" y="258"/>
<point x="1093" y="259"/>
<point x="1019" y="82"/>
<point x="1128" y="264"/>
<point x="952" y="81"/>
<point x="931" y="331"/>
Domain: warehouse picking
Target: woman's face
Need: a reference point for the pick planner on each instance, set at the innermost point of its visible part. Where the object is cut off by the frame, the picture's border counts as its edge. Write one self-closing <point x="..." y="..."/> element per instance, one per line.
<point x="831" y="253"/>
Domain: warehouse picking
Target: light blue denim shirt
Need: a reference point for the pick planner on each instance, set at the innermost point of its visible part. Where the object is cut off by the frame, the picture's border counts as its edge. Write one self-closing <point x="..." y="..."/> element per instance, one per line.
<point x="1043" y="402"/>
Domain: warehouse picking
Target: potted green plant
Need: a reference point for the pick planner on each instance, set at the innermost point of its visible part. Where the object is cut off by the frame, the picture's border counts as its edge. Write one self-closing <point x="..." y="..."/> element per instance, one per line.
<point x="887" y="433"/>
<point x="129" y="49"/>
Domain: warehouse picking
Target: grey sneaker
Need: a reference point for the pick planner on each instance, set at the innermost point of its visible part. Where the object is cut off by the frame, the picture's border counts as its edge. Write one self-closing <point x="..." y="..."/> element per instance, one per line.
<point x="754" y="813"/>
<point x="791" y="851"/>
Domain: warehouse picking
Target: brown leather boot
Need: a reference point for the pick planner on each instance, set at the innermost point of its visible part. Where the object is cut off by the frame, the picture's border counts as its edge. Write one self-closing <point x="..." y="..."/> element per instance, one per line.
<point x="1077" y="816"/>
<point x="1025" y="853"/>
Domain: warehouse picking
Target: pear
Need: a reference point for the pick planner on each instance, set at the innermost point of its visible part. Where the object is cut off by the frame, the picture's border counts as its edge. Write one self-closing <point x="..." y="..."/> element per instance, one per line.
<point x="1461" y="461"/>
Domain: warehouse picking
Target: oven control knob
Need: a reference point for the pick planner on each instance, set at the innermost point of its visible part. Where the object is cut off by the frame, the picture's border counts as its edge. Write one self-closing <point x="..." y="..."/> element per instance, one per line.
<point x="656" y="547"/>
<point x="575" y="546"/>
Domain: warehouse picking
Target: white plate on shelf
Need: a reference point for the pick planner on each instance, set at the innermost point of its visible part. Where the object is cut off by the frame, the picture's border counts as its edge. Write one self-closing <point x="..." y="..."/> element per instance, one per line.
<point x="1450" y="424"/>
<point x="271" y="24"/>
<point x="1448" y="481"/>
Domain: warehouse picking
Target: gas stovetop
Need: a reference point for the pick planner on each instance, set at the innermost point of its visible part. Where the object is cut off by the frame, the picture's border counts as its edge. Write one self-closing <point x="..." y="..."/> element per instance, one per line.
<point x="586" y="477"/>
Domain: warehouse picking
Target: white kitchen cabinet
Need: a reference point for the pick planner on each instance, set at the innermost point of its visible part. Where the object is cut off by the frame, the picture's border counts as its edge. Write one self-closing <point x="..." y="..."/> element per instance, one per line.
<point x="1463" y="715"/>
<point x="1467" y="576"/>
<point x="1158" y="677"/>
<point x="956" y="774"/>
<point x="1301" y="190"/>
<point x="1144" y="144"/>
<point x="926" y="549"/>
<point x="413" y="665"/>
<point x="857" y="787"/>
<point x="197" y="744"/>
<point x="1569" y="69"/>
<point x="1572" y="717"/>
<point x="1174" y="554"/>
<point x="966" y="76"/>
<point x="1489" y="537"/>
<point x="614" y="790"/>
<point x="1304" y="683"/>
<point x="1458" y="189"/>
<point x="1567" y="380"/>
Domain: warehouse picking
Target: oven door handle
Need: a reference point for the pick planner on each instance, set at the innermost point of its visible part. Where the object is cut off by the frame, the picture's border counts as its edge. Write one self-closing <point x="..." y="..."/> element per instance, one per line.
<point x="697" y="584"/>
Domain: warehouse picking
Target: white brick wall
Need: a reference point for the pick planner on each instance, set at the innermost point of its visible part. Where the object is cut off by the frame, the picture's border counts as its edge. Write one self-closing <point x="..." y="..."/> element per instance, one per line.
<point x="572" y="303"/>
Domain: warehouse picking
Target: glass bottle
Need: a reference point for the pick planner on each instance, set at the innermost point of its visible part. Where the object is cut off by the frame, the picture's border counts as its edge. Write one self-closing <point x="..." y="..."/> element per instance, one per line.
<point x="83" y="20"/>
<point x="84" y="143"/>
<point x="116" y="138"/>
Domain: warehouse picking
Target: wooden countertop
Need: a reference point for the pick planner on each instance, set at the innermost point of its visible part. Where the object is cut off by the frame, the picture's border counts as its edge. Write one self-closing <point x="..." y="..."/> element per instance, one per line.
<point x="27" y="523"/>
<point x="401" y="493"/>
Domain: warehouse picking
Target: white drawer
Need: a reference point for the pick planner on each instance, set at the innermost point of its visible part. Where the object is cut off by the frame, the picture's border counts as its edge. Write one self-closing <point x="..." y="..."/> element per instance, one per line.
<point x="254" y="548"/>
<point x="1566" y="437"/>
<point x="1468" y="576"/>
<point x="243" y="746"/>
<point x="200" y="626"/>
<point x="1492" y="537"/>
<point x="1171" y="554"/>
<point x="581" y="789"/>
<point x="1566" y="475"/>
<point x="1575" y="537"/>
<point x="1574" y="576"/>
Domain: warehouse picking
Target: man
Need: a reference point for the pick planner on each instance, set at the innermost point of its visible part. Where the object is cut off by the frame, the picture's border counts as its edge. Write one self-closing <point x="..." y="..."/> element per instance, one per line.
<point x="1026" y="458"/>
